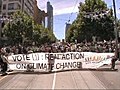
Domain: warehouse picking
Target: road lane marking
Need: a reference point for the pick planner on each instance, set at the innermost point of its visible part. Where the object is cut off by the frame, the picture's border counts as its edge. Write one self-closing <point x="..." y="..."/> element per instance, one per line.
<point x="73" y="78"/>
<point x="84" y="80"/>
<point x="96" y="83"/>
<point x="54" y="80"/>
<point x="99" y="80"/>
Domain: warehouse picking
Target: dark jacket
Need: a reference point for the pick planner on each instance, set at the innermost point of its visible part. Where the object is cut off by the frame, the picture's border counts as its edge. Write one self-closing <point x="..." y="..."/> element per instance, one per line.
<point x="1" y="61"/>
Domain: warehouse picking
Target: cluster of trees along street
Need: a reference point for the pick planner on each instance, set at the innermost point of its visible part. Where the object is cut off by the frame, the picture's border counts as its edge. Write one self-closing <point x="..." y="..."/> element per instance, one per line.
<point x="94" y="19"/>
<point x="21" y="28"/>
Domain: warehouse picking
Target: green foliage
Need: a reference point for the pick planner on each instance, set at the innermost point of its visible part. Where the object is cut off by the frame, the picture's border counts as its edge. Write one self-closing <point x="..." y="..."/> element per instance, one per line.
<point x="19" y="29"/>
<point x="88" y="25"/>
<point x="22" y="29"/>
<point x="42" y="35"/>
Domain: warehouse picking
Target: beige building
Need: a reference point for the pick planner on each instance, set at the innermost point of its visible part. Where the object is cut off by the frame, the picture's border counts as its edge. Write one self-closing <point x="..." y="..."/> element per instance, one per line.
<point x="11" y="6"/>
<point x="28" y="6"/>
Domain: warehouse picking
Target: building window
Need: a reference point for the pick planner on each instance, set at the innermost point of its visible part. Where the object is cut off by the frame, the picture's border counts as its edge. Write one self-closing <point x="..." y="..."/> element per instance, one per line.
<point x="12" y="0"/>
<point x="10" y="13"/>
<point x="20" y="1"/>
<point x="4" y="14"/>
<point x="11" y="6"/>
<point x="4" y="6"/>
<point x="15" y="0"/>
<point x="18" y="6"/>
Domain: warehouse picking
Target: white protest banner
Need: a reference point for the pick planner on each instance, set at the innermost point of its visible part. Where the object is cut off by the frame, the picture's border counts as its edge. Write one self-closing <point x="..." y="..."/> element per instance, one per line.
<point x="62" y="61"/>
<point x="22" y="61"/>
<point x="86" y="60"/>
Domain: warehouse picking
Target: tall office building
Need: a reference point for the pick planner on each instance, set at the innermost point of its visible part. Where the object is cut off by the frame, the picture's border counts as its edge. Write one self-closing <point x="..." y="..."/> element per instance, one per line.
<point x="50" y="16"/>
<point x="11" y="6"/>
<point x="28" y="6"/>
<point x="66" y="28"/>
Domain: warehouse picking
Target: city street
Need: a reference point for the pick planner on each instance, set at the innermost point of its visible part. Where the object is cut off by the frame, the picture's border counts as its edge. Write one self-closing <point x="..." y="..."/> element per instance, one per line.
<point x="59" y="44"/>
<point x="102" y="78"/>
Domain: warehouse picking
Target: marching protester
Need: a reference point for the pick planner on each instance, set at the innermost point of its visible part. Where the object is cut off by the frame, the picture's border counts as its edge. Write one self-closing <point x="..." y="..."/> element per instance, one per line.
<point x="3" y="62"/>
<point x="51" y="59"/>
<point x="63" y="47"/>
<point x="114" y="59"/>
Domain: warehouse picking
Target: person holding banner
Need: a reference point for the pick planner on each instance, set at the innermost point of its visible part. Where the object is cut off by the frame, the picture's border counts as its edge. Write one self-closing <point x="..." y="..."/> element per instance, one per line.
<point x="3" y="63"/>
<point x="114" y="59"/>
<point x="51" y="59"/>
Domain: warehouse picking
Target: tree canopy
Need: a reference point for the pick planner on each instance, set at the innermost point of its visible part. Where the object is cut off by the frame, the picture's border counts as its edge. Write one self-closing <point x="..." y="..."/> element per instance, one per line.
<point x="93" y="20"/>
<point x="21" y="28"/>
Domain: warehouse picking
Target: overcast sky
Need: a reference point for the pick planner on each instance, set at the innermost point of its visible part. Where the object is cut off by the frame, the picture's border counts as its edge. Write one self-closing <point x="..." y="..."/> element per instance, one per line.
<point x="65" y="10"/>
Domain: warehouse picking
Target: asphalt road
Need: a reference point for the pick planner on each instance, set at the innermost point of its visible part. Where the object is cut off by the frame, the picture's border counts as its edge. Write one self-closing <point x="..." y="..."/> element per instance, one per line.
<point x="102" y="78"/>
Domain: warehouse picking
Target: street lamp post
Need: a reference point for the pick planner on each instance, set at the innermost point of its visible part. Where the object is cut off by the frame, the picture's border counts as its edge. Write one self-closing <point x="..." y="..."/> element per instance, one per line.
<point x="115" y="28"/>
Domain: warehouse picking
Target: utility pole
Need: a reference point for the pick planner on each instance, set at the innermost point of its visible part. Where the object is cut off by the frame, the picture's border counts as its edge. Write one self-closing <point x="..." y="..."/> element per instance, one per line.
<point x="23" y="5"/>
<point x="0" y="18"/>
<point x="115" y="28"/>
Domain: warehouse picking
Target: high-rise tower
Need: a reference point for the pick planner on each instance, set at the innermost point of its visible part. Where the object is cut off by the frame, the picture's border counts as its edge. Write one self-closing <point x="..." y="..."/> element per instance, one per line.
<point x="50" y="16"/>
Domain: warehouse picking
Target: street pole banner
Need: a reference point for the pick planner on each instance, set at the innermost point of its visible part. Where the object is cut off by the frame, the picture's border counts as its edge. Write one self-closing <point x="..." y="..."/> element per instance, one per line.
<point x="60" y="61"/>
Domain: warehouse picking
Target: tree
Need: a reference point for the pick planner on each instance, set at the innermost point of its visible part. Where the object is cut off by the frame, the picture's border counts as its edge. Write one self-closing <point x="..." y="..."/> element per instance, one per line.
<point x="19" y="28"/>
<point x="42" y="35"/>
<point x="94" y="19"/>
<point x="118" y="25"/>
<point x="23" y="29"/>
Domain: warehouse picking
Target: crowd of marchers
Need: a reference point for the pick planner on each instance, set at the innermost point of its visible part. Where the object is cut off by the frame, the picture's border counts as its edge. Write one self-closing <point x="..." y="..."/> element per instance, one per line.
<point x="58" y="47"/>
<point x="100" y="47"/>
